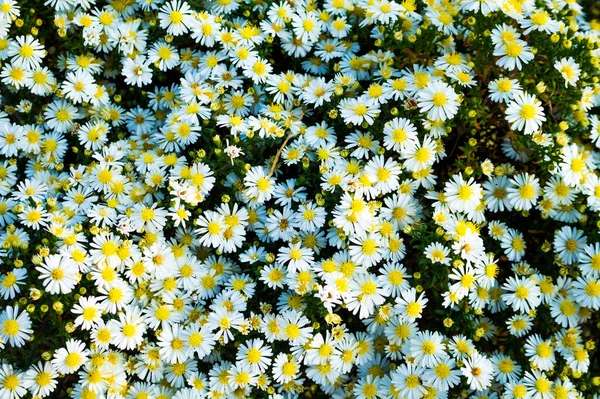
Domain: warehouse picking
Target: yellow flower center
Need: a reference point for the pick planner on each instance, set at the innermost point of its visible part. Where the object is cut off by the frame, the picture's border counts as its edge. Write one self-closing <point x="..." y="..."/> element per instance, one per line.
<point x="544" y="350"/>
<point x="521" y="292"/>
<point x="360" y="110"/>
<point x="26" y="51"/>
<point x="506" y="366"/>
<point x="513" y="49"/>
<point x="422" y="155"/>
<point x="413" y="309"/>
<point x="368" y="288"/>
<point x="89" y="314"/>
<point x="73" y="360"/>
<point x="428" y="347"/>
<point x="369" y="247"/>
<point x="43" y="379"/>
<point x="9" y="280"/>
<point x="442" y="370"/>
<point x="527" y="111"/>
<point x="439" y="99"/>
<point x="11" y="382"/>
<point x="592" y="288"/>
<point x="289" y="369"/>
<point x="10" y="327"/>
<point x="542" y="385"/>
<point x="412" y="381"/>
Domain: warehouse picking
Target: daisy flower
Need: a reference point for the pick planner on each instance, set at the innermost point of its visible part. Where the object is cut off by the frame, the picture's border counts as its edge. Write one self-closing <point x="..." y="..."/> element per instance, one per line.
<point x="310" y="217"/>
<point x="11" y="382"/>
<point x="579" y="359"/>
<point x="540" y="352"/>
<point x="172" y="346"/>
<point x="521" y="293"/>
<point x="504" y="89"/>
<point x="163" y="56"/>
<point x="394" y="279"/>
<point x="224" y="322"/>
<point x="525" y="113"/>
<point x="589" y="260"/>
<point x="15" y="328"/>
<point x="409" y="305"/>
<point x="295" y="327"/>
<point x="61" y="115"/>
<point x="115" y="296"/>
<point x="129" y="329"/>
<point x="149" y="218"/>
<point x="254" y="355"/>
<point x="40" y="379"/>
<point x="258" y="69"/>
<point x="71" y="357"/>
<point x="470" y="247"/>
<point x="505" y="368"/>
<point x="569" y="243"/>
<point x="439" y="100"/>
<point x="365" y="294"/>
<point x="383" y="11"/>
<point x="273" y="275"/>
<point x="513" y="54"/>
<point x="465" y="280"/>
<point x="515" y="390"/>
<point x="79" y="86"/>
<point x="285" y="368"/>
<point x="175" y="17"/>
<point x="427" y="348"/>
<point x="569" y="70"/>
<point x="565" y="311"/>
<point x="564" y="388"/>
<point x="259" y="185"/>
<point x="10" y="9"/>
<point x="519" y="324"/>
<point x="461" y="347"/>
<point x="27" y="52"/>
<point x="398" y="133"/>
<point x="384" y="173"/>
<point x="461" y="195"/>
<point x="318" y="91"/>
<point x="88" y="312"/>
<point x="575" y="164"/>
<point x="366" y="249"/>
<point x="10" y="282"/>
<point x="59" y="274"/>
<point x="443" y="375"/>
<point x="419" y="156"/>
<point x="358" y="110"/>
<point x="538" y="384"/>
<point x="586" y="291"/>
<point x="15" y="75"/>
<point x="307" y="26"/>
<point x="559" y="192"/>
<point x="198" y="339"/>
<point x="211" y="227"/>
<point x="478" y="370"/>
<point x="513" y="244"/>
<point x="137" y="71"/>
<point x="364" y="143"/>
<point x="408" y="381"/>
<point x="524" y="191"/>
<point x="483" y="6"/>
<point x="296" y="257"/>
<point x="541" y="21"/>
<point x="438" y="253"/>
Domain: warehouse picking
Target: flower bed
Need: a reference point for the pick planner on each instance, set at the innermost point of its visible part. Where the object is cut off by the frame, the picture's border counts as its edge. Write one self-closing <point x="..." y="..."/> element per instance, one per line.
<point x="338" y="199"/>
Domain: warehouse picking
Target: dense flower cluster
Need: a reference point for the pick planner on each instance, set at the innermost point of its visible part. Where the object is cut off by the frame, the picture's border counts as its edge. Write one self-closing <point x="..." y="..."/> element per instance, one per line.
<point x="338" y="198"/>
